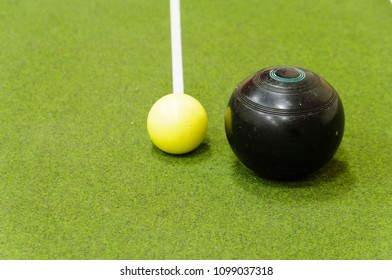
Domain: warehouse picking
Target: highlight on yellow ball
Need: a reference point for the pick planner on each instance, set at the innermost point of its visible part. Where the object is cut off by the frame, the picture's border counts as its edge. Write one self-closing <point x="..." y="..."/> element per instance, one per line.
<point x="177" y="123"/>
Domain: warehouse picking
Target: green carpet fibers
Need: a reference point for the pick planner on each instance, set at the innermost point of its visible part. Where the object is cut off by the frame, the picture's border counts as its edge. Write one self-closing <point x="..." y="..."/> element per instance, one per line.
<point x="80" y="179"/>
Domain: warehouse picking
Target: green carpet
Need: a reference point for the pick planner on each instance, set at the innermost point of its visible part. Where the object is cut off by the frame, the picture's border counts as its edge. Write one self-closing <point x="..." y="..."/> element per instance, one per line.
<point x="80" y="179"/>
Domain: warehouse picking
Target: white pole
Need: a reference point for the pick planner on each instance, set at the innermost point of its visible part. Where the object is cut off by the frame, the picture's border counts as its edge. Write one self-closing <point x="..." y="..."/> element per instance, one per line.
<point x="175" y="29"/>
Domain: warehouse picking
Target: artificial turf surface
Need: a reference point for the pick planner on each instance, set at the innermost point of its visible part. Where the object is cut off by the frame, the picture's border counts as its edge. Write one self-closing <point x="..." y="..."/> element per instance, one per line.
<point x="80" y="179"/>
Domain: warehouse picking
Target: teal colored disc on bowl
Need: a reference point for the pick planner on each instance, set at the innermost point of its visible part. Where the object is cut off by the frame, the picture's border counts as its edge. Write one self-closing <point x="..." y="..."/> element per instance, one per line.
<point x="287" y="74"/>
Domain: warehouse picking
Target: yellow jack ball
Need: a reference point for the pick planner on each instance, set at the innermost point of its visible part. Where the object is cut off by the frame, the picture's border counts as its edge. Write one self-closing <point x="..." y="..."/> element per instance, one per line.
<point x="177" y="123"/>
